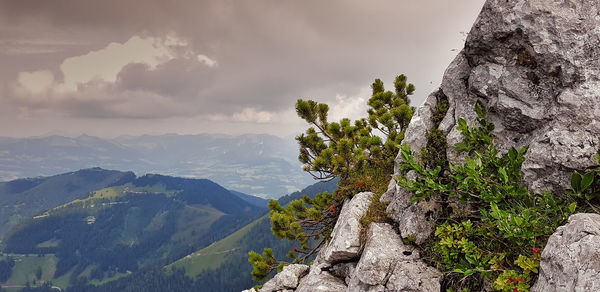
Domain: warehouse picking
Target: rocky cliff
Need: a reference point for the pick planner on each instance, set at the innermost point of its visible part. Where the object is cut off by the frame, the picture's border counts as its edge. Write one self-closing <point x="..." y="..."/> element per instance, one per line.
<point x="534" y="65"/>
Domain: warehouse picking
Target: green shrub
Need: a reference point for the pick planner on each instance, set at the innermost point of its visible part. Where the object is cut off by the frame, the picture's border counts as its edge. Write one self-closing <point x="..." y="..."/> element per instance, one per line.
<point x="494" y="240"/>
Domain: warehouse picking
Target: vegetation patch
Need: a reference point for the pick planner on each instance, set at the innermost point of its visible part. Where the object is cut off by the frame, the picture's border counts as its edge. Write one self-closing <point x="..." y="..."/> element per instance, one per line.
<point x="434" y="154"/>
<point x="491" y="235"/>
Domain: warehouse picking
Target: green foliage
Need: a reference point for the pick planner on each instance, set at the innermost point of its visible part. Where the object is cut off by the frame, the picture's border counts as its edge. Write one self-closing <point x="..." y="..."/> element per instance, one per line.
<point x="263" y="264"/>
<point x="338" y="149"/>
<point x="376" y="212"/>
<point x="304" y="219"/>
<point x="587" y="185"/>
<point x="490" y="236"/>
<point x="352" y="151"/>
<point x="431" y="155"/>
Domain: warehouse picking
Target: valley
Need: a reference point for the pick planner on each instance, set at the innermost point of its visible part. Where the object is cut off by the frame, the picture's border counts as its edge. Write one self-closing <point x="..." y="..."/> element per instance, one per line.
<point x="99" y="228"/>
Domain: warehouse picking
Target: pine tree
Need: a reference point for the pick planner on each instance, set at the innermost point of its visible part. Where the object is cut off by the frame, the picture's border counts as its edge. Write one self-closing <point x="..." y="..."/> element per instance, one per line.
<point x="352" y="151"/>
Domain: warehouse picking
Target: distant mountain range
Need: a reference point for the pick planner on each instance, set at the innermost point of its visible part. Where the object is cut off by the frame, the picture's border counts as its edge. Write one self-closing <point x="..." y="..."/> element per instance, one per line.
<point x="260" y="165"/>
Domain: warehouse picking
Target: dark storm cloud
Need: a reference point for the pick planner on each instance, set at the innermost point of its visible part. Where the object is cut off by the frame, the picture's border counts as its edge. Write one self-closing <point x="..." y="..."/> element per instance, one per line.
<point x="268" y="53"/>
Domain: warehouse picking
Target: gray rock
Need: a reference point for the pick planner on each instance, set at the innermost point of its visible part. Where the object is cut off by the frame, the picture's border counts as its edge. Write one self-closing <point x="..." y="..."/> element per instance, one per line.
<point x="287" y="279"/>
<point x="343" y="271"/>
<point x="414" y="220"/>
<point x="355" y="285"/>
<point x="420" y="122"/>
<point x="345" y="239"/>
<point x="414" y="276"/>
<point x="534" y="64"/>
<point x="320" y="280"/>
<point x="571" y="258"/>
<point x="383" y="249"/>
<point x="249" y="290"/>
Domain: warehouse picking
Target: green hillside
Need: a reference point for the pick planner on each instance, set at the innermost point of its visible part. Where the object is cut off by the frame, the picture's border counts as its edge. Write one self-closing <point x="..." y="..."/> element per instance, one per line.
<point x="23" y="198"/>
<point x="221" y="266"/>
<point x="146" y="222"/>
<point x="213" y="256"/>
<point x="225" y="262"/>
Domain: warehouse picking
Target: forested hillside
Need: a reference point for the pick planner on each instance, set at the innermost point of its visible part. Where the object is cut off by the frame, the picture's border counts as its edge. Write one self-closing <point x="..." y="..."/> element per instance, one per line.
<point x="147" y="222"/>
<point x="222" y="266"/>
<point x="23" y="198"/>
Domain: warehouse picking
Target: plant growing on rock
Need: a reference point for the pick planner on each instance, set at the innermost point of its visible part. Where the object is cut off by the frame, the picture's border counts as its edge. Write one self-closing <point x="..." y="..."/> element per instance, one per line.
<point x="587" y="185"/>
<point x="360" y="153"/>
<point x="494" y="240"/>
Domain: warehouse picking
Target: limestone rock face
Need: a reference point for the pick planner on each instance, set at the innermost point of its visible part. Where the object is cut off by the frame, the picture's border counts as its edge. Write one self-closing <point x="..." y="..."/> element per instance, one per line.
<point x="383" y="249"/>
<point x="382" y="263"/>
<point x="414" y="276"/>
<point x="534" y="63"/>
<point x="320" y="280"/>
<point x="534" y="66"/>
<point x="386" y="264"/>
<point x="287" y="279"/>
<point x="345" y="239"/>
<point x="571" y="259"/>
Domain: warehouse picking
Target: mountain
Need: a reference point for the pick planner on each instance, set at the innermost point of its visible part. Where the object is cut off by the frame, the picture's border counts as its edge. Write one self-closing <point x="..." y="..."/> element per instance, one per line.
<point x="259" y="165"/>
<point x="221" y="266"/>
<point x="147" y="221"/>
<point x="23" y="198"/>
<point x="256" y="201"/>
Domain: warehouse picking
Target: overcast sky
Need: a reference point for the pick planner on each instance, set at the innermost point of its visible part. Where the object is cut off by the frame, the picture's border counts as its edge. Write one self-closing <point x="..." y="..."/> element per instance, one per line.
<point x="114" y="67"/>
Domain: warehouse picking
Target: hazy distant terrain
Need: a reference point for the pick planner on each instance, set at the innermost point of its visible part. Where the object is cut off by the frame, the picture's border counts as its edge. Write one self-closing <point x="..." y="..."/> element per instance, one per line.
<point x="261" y="165"/>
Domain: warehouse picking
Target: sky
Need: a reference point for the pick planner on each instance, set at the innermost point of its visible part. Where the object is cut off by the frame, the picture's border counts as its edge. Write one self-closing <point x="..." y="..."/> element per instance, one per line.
<point x="122" y="67"/>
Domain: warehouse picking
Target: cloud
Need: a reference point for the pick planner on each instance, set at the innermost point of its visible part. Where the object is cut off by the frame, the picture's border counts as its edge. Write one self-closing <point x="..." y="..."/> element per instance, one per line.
<point x="348" y="107"/>
<point x="144" y="77"/>
<point x="106" y="63"/>
<point x="252" y="115"/>
<point x="35" y="83"/>
<point x="206" y="60"/>
<point x="237" y="61"/>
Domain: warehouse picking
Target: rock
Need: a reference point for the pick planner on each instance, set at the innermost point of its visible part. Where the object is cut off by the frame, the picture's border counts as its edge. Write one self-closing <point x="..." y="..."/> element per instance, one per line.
<point x="356" y="285"/>
<point x="345" y="239"/>
<point x="414" y="276"/>
<point x="320" y="280"/>
<point x="287" y="279"/>
<point x="343" y="271"/>
<point x="414" y="220"/>
<point x="383" y="249"/>
<point x="571" y="258"/>
<point x="419" y="124"/>
<point x="249" y="290"/>
<point x="534" y="66"/>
